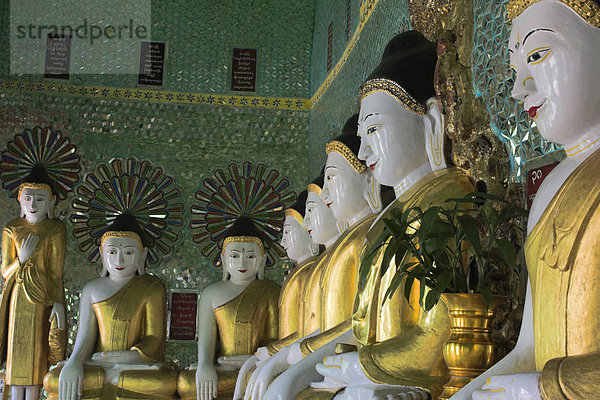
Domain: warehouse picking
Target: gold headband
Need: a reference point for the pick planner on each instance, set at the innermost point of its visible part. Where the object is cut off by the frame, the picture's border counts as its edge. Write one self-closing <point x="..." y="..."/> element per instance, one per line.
<point x="395" y="90"/>
<point x="313" y="187"/>
<point x="586" y="9"/>
<point x="290" y="212"/>
<point x="245" y="239"/>
<point x="31" y="185"/>
<point x="121" y="234"/>
<point x="345" y="152"/>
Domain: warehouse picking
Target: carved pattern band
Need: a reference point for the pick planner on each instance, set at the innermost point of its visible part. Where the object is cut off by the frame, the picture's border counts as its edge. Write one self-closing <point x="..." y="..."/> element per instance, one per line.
<point x="245" y="239"/>
<point x="395" y="90"/>
<point x="31" y="185"/>
<point x="345" y="152"/>
<point x="290" y="212"/>
<point x="586" y="9"/>
<point x="121" y="234"/>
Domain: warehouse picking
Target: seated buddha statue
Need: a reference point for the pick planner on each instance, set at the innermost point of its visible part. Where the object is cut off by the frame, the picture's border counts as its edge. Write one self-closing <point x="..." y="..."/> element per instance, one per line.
<point x="33" y="254"/>
<point x="237" y="316"/>
<point x="118" y="352"/>
<point x="557" y="355"/>
<point x="401" y="345"/>
<point x="334" y="278"/>
<point x="321" y="226"/>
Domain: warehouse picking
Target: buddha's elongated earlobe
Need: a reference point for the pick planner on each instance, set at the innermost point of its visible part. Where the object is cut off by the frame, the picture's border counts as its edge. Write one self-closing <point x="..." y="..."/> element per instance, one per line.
<point x="314" y="249"/>
<point x="373" y="192"/>
<point x="434" y="135"/>
<point x="261" y="268"/>
<point x="225" y="274"/>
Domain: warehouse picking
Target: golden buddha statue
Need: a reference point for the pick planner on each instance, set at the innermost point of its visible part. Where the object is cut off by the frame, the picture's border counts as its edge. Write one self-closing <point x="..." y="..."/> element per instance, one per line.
<point x="118" y="352"/>
<point x="237" y="316"/>
<point x="32" y="305"/>
<point x="333" y="279"/>
<point x="554" y="49"/>
<point x="400" y="343"/>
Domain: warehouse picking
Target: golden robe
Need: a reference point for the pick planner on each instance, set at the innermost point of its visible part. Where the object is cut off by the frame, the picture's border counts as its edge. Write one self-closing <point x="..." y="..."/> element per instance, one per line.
<point x="402" y="344"/>
<point x="245" y="323"/>
<point x="291" y="306"/>
<point x="132" y="319"/>
<point x="336" y="282"/>
<point x="30" y="290"/>
<point x="563" y="261"/>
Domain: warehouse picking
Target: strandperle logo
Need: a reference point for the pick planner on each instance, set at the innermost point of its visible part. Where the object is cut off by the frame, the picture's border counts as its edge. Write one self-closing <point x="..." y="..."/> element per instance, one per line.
<point x="91" y="36"/>
<point x="92" y="32"/>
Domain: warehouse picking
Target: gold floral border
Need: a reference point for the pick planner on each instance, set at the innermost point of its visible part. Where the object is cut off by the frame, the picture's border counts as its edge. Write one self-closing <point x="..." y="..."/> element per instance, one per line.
<point x="366" y="10"/>
<point x="160" y="96"/>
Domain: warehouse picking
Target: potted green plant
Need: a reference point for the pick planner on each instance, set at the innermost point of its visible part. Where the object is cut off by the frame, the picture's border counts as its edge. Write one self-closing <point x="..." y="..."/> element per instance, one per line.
<point x="452" y="251"/>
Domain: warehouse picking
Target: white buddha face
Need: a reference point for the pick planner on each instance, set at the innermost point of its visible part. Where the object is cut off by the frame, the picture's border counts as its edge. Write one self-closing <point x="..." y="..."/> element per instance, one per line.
<point x="344" y="188"/>
<point x="295" y="239"/>
<point x="555" y="56"/>
<point x="122" y="257"/>
<point x="243" y="261"/>
<point x="392" y="139"/>
<point x="319" y="221"/>
<point x="36" y="204"/>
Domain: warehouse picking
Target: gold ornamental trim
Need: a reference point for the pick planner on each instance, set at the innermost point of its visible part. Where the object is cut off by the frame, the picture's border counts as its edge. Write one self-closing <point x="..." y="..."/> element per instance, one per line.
<point x="245" y="239"/>
<point x="32" y="185"/>
<point x="156" y="96"/>
<point x="395" y="90"/>
<point x="586" y="9"/>
<point x="121" y="234"/>
<point x="313" y="187"/>
<point x="345" y="152"/>
<point x="290" y="212"/>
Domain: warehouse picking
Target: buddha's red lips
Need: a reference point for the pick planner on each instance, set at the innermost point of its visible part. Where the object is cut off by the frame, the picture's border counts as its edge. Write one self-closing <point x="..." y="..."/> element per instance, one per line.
<point x="242" y="270"/>
<point x="532" y="111"/>
<point x="372" y="166"/>
<point x="329" y="204"/>
<point x="309" y="231"/>
<point x="120" y="269"/>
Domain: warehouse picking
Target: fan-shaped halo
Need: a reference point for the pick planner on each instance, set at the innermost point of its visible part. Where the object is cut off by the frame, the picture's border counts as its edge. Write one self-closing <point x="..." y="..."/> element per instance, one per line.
<point x="129" y="186"/>
<point x="44" y="147"/>
<point x="250" y="190"/>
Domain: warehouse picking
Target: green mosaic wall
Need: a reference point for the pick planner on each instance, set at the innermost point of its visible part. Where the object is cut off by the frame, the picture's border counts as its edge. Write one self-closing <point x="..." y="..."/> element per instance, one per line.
<point x="339" y="102"/>
<point x="200" y="35"/>
<point x="188" y="140"/>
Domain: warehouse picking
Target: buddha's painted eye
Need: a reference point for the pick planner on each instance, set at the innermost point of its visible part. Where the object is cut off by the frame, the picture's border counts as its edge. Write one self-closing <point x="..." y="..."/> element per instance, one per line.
<point x="538" y="55"/>
<point x="373" y="129"/>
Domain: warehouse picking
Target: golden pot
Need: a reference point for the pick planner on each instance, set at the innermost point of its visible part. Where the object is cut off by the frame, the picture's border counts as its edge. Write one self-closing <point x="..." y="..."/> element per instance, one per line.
<point x="470" y="350"/>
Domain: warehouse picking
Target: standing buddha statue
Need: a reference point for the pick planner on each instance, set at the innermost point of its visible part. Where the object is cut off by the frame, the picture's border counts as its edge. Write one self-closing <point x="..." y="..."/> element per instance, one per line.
<point x="32" y="312"/>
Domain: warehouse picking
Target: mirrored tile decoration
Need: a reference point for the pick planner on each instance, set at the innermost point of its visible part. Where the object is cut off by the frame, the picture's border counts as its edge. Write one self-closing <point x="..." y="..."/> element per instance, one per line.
<point x="128" y="186"/>
<point x="246" y="190"/>
<point x="493" y="82"/>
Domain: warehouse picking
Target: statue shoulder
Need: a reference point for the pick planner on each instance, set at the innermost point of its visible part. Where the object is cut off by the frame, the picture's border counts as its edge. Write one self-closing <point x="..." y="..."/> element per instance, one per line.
<point x="153" y="283"/>
<point x="271" y="288"/>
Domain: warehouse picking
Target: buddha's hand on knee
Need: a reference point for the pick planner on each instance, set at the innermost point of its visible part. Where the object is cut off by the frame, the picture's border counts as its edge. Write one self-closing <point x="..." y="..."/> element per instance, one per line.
<point x="265" y="373"/>
<point x="118" y="357"/>
<point x="70" y="381"/>
<point x="344" y="368"/>
<point x="262" y="354"/>
<point x="240" y="384"/>
<point x="206" y="382"/>
<point x="508" y="387"/>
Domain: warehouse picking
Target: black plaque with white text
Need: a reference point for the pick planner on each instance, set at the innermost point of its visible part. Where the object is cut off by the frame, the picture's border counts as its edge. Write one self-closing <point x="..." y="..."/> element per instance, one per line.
<point x="243" y="69"/>
<point x="58" y="56"/>
<point x="152" y="63"/>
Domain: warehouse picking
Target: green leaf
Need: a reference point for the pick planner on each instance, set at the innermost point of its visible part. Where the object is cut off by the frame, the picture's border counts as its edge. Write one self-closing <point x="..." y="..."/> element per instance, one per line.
<point x="388" y="254"/>
<point x="487" y="296"/>
<point x="509" y="254"/>
<point x="365" y="265"/>
<point x="408" y="288"/>
<point x="430" y="300"/>
<point x="443" y="281"/>
<point x="469" y="226"/>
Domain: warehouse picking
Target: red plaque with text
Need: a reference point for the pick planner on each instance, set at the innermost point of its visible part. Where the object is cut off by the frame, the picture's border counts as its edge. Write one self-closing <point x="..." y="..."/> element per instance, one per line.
<point x="184" y="308"/>
<point x="535" y="177"/>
